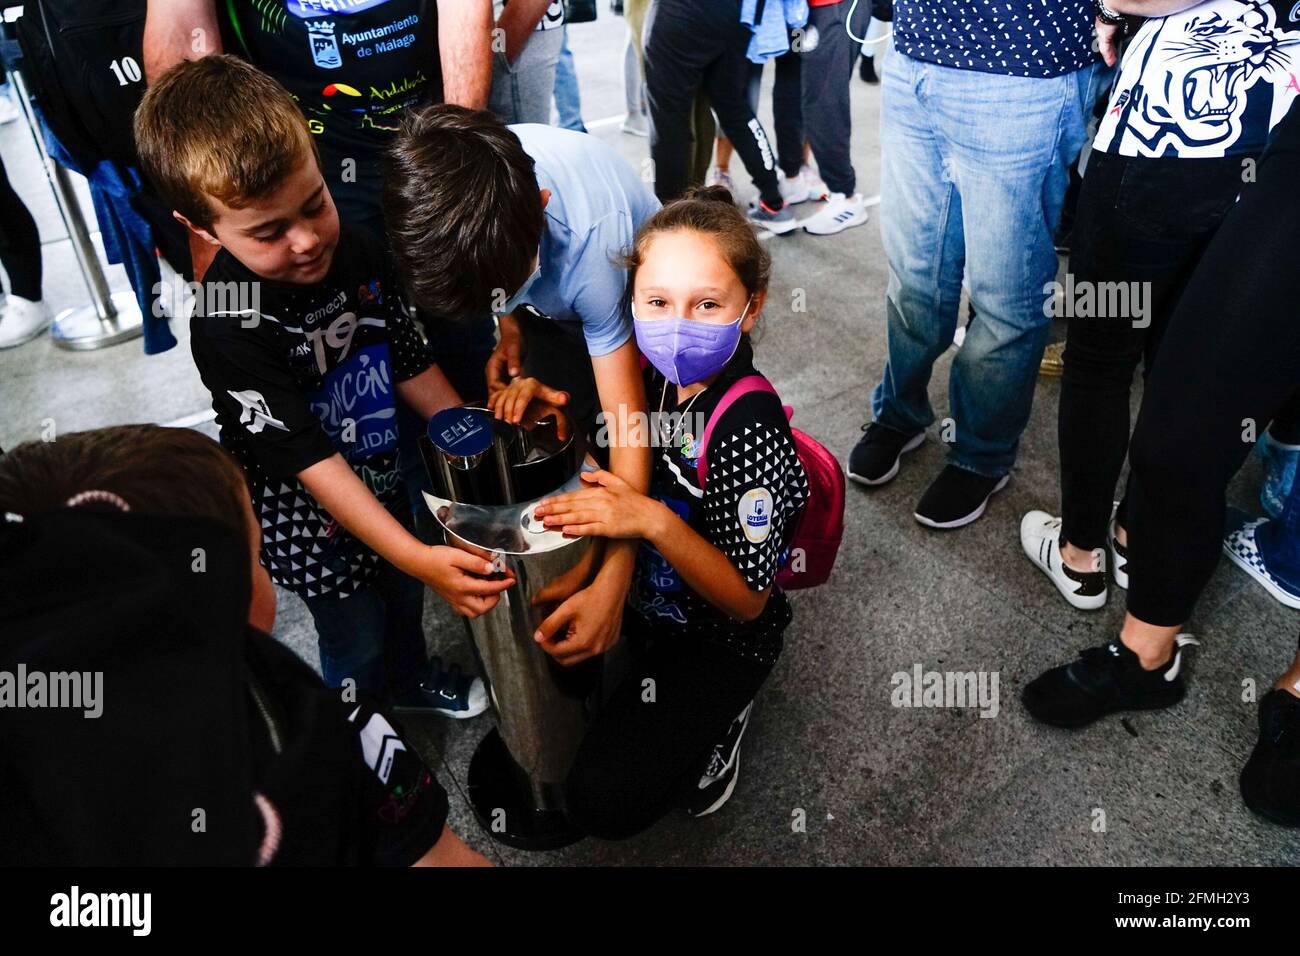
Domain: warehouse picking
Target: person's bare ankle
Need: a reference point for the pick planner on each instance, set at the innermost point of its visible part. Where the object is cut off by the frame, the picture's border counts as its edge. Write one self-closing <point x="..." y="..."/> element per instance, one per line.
<point x="1077" y="559"/>
<point x="1151" y="653"/>
<point x="1289" y="682"/>
<point x="1121" y="535"/>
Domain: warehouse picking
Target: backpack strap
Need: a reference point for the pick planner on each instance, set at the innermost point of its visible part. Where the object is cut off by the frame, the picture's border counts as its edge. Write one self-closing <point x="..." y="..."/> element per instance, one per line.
<point x="742" y="386"/>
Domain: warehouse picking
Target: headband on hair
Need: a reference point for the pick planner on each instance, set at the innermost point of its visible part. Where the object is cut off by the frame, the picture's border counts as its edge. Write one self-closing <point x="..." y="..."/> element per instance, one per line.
<point x="107" y="497"/>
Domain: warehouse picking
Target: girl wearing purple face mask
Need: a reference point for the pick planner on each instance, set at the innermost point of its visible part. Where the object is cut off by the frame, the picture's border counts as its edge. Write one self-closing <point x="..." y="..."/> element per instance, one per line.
<point x="704" y="621"/>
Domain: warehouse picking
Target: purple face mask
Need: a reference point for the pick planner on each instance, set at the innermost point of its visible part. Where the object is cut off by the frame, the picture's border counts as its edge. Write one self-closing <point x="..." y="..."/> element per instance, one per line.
<point x="687" y="351"/>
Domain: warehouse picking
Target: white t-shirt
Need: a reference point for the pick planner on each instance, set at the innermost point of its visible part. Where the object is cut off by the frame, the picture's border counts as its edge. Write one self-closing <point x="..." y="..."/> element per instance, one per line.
<point x="1210" y="81"/>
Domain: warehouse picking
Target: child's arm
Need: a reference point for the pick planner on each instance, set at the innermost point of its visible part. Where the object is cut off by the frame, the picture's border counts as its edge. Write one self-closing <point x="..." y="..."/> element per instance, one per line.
<point x="428" y="393"/>
<point x="591" y="619"/>
<point x="449" y="571"/>
<point x="703" y="567"/>
<point x="527" y="399"/>
<point x="610" y="508"/>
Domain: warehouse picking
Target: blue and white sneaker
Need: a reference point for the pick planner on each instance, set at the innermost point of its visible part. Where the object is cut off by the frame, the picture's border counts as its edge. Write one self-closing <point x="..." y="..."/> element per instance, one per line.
<point x="1239" y="544"/>
<point x="840" y="212"/>
<point x="447" y="693"/>
<point x="719" y="780"/>
<point x="778" y="221"/>
<point x="1280" y="463"/>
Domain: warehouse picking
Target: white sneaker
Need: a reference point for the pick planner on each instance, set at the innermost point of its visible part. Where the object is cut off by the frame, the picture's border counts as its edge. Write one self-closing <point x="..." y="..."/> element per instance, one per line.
<point x="840" y="212"/>
<point x="794" y="189"/>
<point x="636" y="125"/>
<point x="816" y="185"/>
<point x="1040" y="536"/>
<point x="720" y="177"/>
<point x="21" y="320"/>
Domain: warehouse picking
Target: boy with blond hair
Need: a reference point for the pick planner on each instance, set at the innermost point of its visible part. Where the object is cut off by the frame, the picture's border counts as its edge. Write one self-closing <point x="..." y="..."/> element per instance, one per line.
<point x="299" y="335"/>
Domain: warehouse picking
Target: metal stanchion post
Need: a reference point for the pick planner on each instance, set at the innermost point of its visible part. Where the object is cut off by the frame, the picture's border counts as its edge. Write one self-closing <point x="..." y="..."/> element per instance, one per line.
<point x="110" y="317"/>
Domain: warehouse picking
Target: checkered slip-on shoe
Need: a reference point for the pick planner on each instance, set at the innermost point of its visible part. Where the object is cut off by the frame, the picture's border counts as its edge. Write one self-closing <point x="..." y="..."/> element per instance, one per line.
<point x="1239" y="545"/>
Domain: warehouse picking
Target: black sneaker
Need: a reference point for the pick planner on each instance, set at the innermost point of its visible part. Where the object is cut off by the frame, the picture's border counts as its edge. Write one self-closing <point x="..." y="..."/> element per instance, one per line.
<point x="1270" y="781"/>
<point x="447" y="693"/>
<point x="1102" y="681"/>
<point x="957" y="497"/>
<point x="867" y="70"/>
<point x="719" y="779"/>
<point x="874" y="459"/>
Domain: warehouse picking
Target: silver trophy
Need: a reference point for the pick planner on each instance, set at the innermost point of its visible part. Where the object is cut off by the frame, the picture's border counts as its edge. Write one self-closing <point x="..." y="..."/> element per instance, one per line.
<point x="488" y="477"/>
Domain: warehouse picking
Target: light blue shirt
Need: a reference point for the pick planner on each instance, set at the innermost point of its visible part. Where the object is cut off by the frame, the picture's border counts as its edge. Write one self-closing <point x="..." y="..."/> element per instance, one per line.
<point x="597" y="204"/>
<point x="772" y="33"/>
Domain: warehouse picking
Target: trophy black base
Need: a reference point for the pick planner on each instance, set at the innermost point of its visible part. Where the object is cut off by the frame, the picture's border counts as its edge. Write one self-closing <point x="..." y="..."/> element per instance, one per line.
<point x="504" y="806"/>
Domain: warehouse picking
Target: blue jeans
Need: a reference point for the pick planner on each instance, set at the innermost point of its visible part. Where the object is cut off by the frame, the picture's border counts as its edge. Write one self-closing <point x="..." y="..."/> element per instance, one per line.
<point x="375" y="636"/>
<point x="1278" y="541"/>
<point x="567" y="100"/>
<point x="974" y="170"/>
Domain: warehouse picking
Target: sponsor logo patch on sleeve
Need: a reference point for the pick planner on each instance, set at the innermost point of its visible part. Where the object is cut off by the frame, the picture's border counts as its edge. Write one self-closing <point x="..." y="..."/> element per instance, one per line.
<point x="755" y="513"/>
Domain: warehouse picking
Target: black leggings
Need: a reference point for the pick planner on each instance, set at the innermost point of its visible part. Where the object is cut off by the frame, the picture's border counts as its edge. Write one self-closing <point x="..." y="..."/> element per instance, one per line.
<point x="642" y="758"/>
<point x="1229" y="361"/>
<point x="1143" y="225"/>
<point x="20" y="243"/>
<point x="694" y="44"/>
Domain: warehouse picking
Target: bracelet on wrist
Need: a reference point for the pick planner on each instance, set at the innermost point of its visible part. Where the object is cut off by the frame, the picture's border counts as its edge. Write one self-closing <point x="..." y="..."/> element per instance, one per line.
<point x="1106" y="15"/>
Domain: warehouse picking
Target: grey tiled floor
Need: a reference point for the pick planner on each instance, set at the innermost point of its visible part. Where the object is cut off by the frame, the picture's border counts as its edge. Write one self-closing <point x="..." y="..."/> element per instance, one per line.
<point x="877" y="785"/>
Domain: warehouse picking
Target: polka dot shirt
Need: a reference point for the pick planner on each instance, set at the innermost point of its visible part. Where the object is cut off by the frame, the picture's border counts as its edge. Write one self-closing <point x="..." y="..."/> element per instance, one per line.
<point x="1035" y="38"/>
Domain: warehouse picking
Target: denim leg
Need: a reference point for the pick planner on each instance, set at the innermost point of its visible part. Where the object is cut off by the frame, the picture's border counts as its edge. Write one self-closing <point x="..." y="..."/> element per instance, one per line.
<point x="350" y="636"/>
<point x="921" y="227"/>
<point x="1011" y="141"/>
<point x="568" y="101"/>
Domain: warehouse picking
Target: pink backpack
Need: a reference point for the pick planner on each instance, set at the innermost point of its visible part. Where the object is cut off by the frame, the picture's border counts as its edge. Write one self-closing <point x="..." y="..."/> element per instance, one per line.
<point x="816" y="538"/>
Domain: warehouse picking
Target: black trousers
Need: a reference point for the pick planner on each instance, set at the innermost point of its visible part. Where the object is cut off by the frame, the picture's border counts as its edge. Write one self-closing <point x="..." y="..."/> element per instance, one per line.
<point x="644" y="755"/>
<point x="692" y="45"/>
<point x="1229" y="361"/>
<point x="787" y="112"/>
<point x="1286" y="424"/>
<point x="1144" y="224"/>
<point x="811" y="99"/>
<point x="20" y="243"/>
